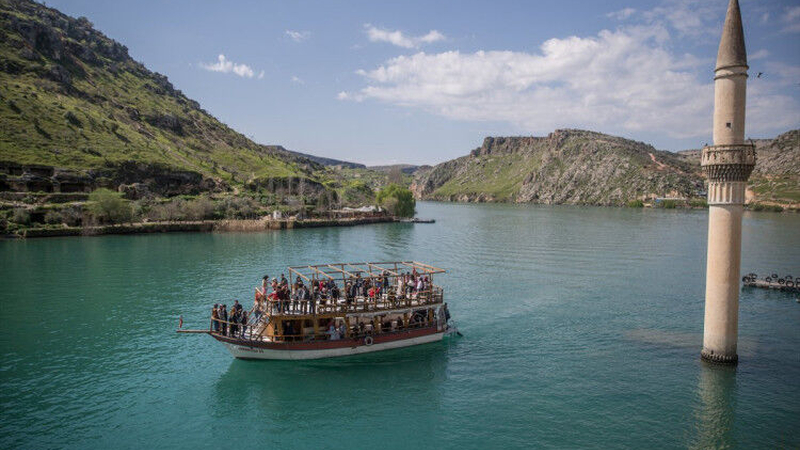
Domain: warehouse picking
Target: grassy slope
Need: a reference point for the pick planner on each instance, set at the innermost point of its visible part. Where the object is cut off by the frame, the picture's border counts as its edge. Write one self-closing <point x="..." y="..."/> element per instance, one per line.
<point x="108" y="112"/>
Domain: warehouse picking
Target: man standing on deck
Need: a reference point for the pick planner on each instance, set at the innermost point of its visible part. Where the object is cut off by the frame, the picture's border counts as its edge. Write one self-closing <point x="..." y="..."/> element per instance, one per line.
<point x="223" y="315"/>
<point x="215" y="318"/>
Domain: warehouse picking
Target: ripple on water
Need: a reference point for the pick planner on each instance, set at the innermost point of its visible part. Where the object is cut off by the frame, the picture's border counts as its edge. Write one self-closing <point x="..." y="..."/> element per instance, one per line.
<point x="582" y="328"/>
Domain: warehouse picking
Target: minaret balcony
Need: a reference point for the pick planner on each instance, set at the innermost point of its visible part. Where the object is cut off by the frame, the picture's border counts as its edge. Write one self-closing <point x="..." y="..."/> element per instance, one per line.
<point x="728" y="162"/>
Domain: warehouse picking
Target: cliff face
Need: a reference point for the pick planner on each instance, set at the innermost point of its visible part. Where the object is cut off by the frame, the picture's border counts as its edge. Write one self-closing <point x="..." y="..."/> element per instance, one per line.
<point x="567" y="166"/>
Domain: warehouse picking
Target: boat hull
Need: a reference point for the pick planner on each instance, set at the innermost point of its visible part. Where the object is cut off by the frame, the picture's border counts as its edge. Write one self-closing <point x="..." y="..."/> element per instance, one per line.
<point x="328" y="349"/>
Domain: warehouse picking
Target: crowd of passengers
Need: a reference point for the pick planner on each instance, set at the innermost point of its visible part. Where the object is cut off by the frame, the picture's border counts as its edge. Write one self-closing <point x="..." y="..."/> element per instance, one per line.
<point x="233" y="323"/>
<point x="303" y="299"/>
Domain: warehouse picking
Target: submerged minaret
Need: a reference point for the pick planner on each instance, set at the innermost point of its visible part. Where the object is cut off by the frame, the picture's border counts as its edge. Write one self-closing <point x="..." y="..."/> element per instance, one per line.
<point x="727" y="165"/>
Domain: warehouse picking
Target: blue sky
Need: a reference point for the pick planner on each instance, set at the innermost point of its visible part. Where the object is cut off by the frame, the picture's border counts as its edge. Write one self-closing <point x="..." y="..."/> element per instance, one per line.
<point x="422" y="82"/>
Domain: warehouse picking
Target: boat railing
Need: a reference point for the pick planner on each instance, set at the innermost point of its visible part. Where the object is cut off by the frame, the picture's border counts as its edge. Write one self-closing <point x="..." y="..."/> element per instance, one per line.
<point x="343" y="305"/>
<point x="251" y="334"/>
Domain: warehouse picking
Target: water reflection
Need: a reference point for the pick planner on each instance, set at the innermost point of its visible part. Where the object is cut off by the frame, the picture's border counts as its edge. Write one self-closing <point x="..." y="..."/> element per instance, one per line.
<point x="716" y="404"/>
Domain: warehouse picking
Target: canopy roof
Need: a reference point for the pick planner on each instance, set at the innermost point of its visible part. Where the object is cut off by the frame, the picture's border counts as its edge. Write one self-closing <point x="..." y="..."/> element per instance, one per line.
<point x="345" y="271"/>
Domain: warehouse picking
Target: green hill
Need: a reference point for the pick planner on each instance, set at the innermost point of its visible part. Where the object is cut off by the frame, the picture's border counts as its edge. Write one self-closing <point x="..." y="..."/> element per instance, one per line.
<point x="74" y="100"/>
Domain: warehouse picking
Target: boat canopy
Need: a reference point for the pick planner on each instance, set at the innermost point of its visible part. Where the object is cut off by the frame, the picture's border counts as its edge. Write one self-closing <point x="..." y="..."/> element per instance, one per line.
<point x="348" y="271"/>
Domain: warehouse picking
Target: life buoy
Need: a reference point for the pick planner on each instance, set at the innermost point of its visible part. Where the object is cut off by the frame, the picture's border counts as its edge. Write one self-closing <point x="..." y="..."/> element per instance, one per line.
<point x="368" y="341"/>
<point x="789" y="283"/>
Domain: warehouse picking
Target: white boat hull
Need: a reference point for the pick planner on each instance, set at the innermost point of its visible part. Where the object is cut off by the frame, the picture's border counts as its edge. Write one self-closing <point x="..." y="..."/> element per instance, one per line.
<point x="250" y="352"/>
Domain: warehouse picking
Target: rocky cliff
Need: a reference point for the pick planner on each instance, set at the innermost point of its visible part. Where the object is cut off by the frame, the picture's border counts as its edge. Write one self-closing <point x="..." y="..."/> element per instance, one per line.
<point x="567" y="166"/>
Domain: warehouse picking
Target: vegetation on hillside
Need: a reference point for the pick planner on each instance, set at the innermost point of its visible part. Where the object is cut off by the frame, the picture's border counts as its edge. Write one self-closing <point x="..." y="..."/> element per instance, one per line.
<point x="398" y="200"/>
<point x="78" y="114"/>
<point x="584" y="167"/>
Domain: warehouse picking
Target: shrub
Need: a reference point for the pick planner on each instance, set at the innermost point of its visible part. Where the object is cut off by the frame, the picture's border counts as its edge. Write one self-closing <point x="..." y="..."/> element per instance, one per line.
<point x="170" y="211"/>
<point x="200" y="209"/>
<point x="698" y="203"/>
<point x="398" y="200"/>
<point x="669" y="204"/>
<point x="237" y="208"/>
<point x="763" y="207"/>
<point x="107" y="206"/>
<point x="70" y="216"/>
<point x="635" y="204"/>
<point x="52" y="217"/>
<point x="21" y="216"/>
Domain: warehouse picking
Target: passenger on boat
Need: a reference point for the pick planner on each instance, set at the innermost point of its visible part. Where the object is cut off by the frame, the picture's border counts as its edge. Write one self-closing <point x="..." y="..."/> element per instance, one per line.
<point x="305" y="299"/>
<point x="359" y="285"/>
<point x="223" y="316"/>
<point x="243" y="321"/>
<point x="234" y="321"/>
<point x="342" y="330"/>
<point x="333" y="288"/>
<point x="333" y="333"/>
<point x="215" y="318"/>
<point x="400" y="288"/>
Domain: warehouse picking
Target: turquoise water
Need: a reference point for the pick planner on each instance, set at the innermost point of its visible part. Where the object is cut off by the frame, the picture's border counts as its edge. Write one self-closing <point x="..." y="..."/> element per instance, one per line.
<point x="582" y="329"/>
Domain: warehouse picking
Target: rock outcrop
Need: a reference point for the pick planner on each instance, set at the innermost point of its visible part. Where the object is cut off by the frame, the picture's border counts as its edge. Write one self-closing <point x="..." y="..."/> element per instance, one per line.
<point x="567" y="166"/>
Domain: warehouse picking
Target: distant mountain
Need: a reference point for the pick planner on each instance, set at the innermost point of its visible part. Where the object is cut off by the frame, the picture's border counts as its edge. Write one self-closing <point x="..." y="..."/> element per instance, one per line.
<point x="585" y="167"/>
<point x="328" y="161"/>
<point x="409" y="169"/>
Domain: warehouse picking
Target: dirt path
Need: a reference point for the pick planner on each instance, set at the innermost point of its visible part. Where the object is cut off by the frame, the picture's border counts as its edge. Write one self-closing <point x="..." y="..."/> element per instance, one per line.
<point x="659" y="164"/>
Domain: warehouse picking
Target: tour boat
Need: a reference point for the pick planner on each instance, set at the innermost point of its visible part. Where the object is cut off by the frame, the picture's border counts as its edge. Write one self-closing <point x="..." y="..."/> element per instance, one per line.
<point x="338" y="309"/>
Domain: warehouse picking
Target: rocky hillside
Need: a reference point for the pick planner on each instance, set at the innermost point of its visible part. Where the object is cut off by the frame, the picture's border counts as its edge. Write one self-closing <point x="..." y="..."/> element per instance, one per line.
<point x="77" y="112"/>
<point x="776" y="178"/>
<point x="568" y="166"/>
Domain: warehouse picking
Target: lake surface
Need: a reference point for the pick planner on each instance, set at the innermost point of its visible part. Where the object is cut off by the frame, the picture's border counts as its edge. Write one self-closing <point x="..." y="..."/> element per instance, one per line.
<point x="582" y="328"/>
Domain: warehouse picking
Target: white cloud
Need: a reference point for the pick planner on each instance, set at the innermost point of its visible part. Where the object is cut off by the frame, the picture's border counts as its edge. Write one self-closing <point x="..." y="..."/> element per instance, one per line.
<point x="761" y="54"/>
<point x="298" y="36"/>
<point x="791" y="19"/>
<point x="224" y="65"/>
<point x="688" y="17"/>
<point x="297" y="80"/>
<point x="625" y="80"/>
<point x="764" y="18"/>
<point x="261" y="75"/>
<point x="399" y="39"/>
<point x="622" y="14"/>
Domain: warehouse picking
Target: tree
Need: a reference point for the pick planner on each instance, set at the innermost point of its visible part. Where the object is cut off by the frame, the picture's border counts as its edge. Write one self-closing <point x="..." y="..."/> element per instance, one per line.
<point x="108" y="206"/>
<point x="398" y="200"/>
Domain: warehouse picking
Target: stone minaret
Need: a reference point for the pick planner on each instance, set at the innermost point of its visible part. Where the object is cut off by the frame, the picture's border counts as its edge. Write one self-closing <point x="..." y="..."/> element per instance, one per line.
<point x="727" y="164"/>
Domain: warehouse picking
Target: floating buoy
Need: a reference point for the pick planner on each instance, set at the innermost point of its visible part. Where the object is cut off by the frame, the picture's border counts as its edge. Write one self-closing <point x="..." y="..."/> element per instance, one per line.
<point x="368" y="341"/>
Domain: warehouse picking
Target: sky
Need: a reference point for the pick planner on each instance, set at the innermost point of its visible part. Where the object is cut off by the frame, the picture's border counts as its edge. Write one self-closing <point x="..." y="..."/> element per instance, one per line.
<point x="422" y="82"/>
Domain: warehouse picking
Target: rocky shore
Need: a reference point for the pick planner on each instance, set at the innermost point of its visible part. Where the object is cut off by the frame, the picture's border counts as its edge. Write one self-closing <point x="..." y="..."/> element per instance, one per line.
<point x="206" y="226"/>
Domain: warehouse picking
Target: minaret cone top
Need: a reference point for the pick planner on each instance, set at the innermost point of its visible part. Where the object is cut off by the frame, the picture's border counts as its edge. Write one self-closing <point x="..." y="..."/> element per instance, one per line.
<point x="732" y="52"/>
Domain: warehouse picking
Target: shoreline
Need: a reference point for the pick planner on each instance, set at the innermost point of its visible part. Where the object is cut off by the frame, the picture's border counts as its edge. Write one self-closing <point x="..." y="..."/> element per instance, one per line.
<point x="200" y="226"/>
